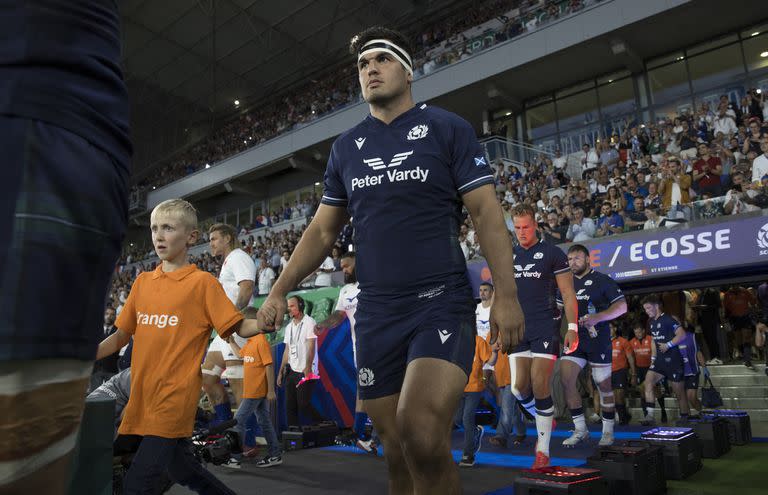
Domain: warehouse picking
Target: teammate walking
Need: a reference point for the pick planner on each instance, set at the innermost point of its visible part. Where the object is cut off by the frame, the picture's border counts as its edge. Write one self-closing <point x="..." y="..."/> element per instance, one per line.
<point x="402" y="175"/>
<point x="667" y="362"/>
<point x="600" y="301"/>
<point x="541" y="269"/>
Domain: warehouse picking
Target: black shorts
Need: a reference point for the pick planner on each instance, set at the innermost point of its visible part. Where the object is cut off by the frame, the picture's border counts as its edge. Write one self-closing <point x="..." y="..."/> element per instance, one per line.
<point x="741" y="322"/>
<point x="620" y="379"/>
<point x="692" y="382"/>
<point x="669" y="365"/>
<point x="63" y="214"/>
<point x="641" y="372"/>
<point x="387" y="340"/>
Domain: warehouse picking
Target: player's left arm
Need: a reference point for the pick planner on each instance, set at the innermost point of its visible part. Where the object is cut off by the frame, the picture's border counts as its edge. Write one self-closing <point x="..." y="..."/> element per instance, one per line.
<point x="496" y="244"/>
<point x="245" y="292"/>
<point x="333" y="321"/>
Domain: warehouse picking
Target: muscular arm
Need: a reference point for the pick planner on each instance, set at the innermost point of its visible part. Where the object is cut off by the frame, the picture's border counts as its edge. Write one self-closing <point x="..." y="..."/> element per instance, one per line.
<point x="334" y="320"/>
<point x="244" y="294"/>
<point x="112" y="344"/>
<point x="494" y="237"/>
<point x="310" y="252"/>
<point x="270" y="371"/>
<point x="570" y="304"/>
<point x="613" y="311"/>
<point x="506" y="318"/>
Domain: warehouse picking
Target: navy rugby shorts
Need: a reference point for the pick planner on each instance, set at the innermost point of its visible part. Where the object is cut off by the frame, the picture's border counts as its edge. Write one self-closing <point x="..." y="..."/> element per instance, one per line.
<point x="387" y="339"/>
<point x="63" y="215"/>
<point x="669" y="365"/>
<point x="540" y="340"/>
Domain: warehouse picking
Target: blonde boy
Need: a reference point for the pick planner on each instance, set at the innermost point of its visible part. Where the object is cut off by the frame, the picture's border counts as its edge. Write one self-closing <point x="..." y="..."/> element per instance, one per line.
<point x="170" y="313"/>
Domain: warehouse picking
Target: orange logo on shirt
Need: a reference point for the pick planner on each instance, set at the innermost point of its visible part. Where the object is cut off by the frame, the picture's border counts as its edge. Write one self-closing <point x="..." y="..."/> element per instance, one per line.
<point x="160" y="321"/>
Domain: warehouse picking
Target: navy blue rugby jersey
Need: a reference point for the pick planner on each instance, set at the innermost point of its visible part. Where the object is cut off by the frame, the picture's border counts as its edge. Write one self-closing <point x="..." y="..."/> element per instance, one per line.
<point x="60" y="64"/>
<point x="535" y="271"/>
<point x="402" y="184"/>
<point x="599" y="290"/>
<point x="663" y="328"/>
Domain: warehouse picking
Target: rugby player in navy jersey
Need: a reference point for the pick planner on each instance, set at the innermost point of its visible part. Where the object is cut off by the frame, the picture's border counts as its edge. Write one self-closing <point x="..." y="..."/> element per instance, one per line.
<point x="541" y="269"/>
<point x="600" y="301"/>
<point x="402" y="175"/>
<point x="63" y="212"/>
<point x="666" y="360"/>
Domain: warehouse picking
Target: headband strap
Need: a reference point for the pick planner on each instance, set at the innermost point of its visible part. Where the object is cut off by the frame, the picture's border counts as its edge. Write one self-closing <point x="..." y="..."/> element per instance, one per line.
<point x="387" y="46"/>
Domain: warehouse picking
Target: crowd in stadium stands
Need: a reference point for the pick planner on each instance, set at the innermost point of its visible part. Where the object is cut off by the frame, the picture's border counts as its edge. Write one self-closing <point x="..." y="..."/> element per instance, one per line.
<point x="439" y="45"/>
<point x="707" y="164"/>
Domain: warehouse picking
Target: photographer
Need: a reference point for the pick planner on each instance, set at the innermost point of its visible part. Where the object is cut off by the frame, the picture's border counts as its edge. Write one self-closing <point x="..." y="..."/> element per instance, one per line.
<point x="740" y="197"/>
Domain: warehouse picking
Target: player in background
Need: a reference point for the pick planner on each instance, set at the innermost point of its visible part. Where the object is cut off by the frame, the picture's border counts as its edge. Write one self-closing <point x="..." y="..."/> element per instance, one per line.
<point x="237" y="277"/>
<point x="666" y="362"/>
<point x="541" y="269"/>
<point x="693" y="364"/>
<point x="600" y="301"/>
<point x="346" y="307"/>
<point x="642" y="348"/>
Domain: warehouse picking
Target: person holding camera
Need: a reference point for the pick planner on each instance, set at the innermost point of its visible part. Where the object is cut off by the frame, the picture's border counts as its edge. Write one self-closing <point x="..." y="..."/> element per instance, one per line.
<point x="675" y="186"/>
<point x="740" y="197"/>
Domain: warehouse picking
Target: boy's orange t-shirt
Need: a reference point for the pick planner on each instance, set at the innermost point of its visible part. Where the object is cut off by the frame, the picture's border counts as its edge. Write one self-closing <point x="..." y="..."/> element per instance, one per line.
<point x="170" y="316"/>
<point x="257" y="355"/>
<point x="620" y="350"/>
<point x="643" y="351"/>
<point x="501" y="368"/>
<point x="482" y="354"/>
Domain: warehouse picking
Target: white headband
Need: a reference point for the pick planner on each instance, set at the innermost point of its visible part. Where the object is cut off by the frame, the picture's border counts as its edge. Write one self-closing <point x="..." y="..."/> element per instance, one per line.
<point x="390" y="47"/>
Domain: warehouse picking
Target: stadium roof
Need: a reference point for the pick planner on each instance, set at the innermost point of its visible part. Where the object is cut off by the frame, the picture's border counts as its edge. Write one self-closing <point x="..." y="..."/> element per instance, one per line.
<point x="252" y="49"/>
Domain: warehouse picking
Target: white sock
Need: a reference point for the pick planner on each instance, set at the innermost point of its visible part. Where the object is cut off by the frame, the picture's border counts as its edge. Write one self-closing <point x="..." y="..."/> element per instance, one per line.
<point x="580" y="422"/>
<point x="544" y="429"/>
<point x="650" y="411"/>
<point x="608" y="425"/>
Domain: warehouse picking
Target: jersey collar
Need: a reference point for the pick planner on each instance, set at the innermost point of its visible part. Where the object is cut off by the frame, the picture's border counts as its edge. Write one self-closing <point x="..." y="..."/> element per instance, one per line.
<point x="418" y="107"/>
<point x="590" y="272"/>
<point x="176" y="274"/>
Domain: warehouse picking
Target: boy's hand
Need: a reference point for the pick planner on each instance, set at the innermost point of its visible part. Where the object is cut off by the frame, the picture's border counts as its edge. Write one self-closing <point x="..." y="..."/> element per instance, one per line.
<point x="271" y="313"/>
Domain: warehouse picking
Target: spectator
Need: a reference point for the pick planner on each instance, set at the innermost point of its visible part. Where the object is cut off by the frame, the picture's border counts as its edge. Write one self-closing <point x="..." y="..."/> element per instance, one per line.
<point x="581" y="228"/>
<point x="609" y="222"/>
<point x="675" y="185"/>
<point x="655" y="220"/>
<point x="706" y="172"/>
<point x="554" y="232"/>
<point x="589" y="160"/>
<point x="631" y="191"/>
<point x="636" y="219"/>
<point x="556" y="190"/>
<point x="559" y="161"/>
<point x="739" y="197"/>
<point x="753" y="139"/>
<point x="323" y="278"/>
<point x="760" y="164"/>
<point x="266" y="276"/>
<point x="616" y="200"/>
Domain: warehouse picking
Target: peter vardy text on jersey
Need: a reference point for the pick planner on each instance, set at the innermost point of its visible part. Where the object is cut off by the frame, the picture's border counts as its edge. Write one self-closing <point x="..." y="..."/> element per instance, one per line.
<point x="417" y="174"/>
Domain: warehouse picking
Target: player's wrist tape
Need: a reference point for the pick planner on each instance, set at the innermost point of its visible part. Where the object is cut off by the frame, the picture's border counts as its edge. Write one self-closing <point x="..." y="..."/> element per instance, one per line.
<point x="573" y="327"/>
<point x="670" y="344"/>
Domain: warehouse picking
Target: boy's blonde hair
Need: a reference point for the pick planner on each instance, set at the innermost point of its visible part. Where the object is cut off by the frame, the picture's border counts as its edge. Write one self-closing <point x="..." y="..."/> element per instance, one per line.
<point x="180" y="210"/>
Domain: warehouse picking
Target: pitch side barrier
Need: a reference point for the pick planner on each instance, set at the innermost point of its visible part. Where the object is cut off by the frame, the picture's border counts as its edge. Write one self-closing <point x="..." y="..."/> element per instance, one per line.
<point x="695" y="254"/>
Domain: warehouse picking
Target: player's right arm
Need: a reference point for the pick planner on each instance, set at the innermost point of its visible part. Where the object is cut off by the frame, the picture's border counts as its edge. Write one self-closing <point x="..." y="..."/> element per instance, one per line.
<point x="333" y="321"/>
<point x="308" y="255"/>
<point x="283" y="364"/>
<point x="507" y="315"/>
<point x="112" y="344"/>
